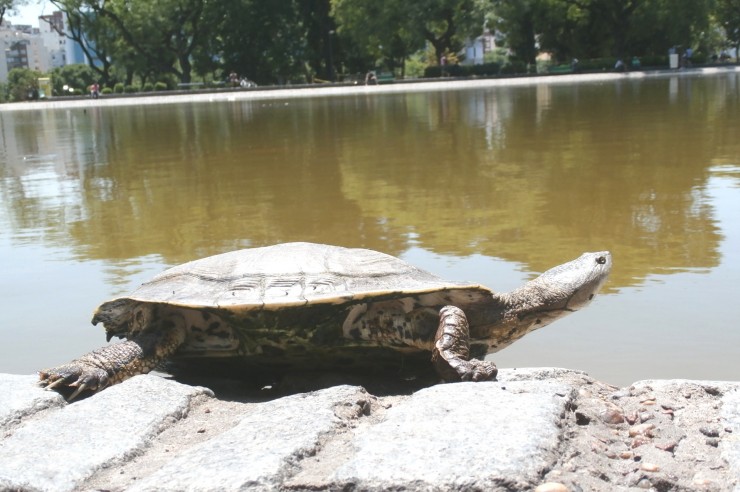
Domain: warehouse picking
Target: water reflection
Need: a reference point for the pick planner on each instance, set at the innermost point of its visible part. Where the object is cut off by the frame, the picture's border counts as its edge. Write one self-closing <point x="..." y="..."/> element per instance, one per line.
<point x="530" y="175"/>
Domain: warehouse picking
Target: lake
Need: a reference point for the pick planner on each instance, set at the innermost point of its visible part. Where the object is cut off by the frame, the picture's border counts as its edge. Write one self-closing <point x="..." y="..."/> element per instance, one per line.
<point x="490" y="184"/>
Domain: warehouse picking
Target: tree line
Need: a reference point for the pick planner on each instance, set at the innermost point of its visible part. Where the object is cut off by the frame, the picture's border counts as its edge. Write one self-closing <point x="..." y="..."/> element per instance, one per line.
<point x="295" y="41"/>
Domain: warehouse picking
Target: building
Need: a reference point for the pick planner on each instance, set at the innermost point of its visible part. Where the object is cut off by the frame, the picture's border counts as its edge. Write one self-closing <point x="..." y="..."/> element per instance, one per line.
<point x="51" y="28"/>
<point x="22" y="47"/>
<point x="475" y="49"/>
<point x="42" y="48"/>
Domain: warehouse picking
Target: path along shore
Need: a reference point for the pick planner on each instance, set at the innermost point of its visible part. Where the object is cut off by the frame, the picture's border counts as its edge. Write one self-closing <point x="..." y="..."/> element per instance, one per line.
<point x="293" y="92"/>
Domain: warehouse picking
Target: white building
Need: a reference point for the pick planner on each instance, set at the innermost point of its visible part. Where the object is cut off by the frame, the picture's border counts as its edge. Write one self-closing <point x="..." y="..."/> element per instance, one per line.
<point x="22" y="47"/>
<point x="42" y="48"/>
<point x="475" y="49"/>
<point x="52" y="32"/>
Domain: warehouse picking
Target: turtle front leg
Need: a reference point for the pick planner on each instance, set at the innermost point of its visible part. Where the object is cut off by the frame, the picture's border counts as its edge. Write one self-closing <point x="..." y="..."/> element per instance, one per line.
<point x="112" y="364"/>
<point x="451" y="354"/>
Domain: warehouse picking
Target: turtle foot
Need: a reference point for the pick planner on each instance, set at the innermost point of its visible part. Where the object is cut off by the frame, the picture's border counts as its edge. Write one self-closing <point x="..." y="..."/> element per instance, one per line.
<point x="476" y="370"/>
<point x="451" y="354"/>
<point x="73" y="378"/>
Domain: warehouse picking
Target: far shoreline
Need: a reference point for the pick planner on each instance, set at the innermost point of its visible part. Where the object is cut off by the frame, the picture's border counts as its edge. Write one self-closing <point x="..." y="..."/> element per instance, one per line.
<point x="401" y="86"/>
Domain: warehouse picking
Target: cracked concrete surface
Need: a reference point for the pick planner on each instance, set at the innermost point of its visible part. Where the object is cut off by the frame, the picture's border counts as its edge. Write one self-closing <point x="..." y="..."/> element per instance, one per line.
<point x="541" y="429"/>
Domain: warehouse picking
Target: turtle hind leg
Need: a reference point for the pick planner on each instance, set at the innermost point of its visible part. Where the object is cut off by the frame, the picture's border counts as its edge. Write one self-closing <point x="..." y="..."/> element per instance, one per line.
<point x="451" y="354"/>
<point x="114" y="363"/>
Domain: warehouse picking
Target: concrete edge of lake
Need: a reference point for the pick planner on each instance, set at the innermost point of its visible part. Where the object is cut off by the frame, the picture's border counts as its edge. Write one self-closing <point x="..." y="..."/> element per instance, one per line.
<point x="535" y="428"/>
<point x="288" y="92"/>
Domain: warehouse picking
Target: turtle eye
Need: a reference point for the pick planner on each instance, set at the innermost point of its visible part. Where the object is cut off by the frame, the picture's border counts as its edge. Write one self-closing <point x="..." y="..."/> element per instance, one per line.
<point x="601" y="260"/>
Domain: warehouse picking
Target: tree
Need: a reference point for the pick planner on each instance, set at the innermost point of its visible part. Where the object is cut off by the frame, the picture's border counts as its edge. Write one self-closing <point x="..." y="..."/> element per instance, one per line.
<point x="518" y="21"/>
<point x="380" y="29"/>
<point x="728" y="13"/>
<point x="148" y="38"/>
<point x="9" y="6"/>
<point x="265" y="41"/>
<point x="93" y="34"/>
<point x="396" y="28"/>
<point x="23" y="84"/>
<point x="77" y="76"/>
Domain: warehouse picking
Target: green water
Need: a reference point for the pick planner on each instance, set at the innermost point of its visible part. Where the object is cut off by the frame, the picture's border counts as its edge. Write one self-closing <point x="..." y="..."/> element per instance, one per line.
<point x="488" y="185"/>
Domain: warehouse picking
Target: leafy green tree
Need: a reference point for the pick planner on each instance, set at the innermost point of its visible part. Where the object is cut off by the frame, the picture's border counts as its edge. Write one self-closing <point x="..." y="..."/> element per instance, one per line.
<point x="602" y="28"/>
<point x="140" y="36"/>
<point x="728" y="15"/>
<point x="23" y="84"/>
<point x="78" y="76"/>
<point x="380" y="29"/>
<point x="9" y="6"/>
<point x="518" y="21"/>
<point x="264" y="41"/>
<point x="396" y="28"/>
<point x="92" y="33"/>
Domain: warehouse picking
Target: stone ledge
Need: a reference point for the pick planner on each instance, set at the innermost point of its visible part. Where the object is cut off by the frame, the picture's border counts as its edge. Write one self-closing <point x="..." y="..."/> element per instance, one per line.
<point x="532" y="427"/>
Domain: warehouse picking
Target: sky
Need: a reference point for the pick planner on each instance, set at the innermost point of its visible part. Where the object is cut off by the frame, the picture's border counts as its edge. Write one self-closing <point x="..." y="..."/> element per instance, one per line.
<point x="29" y="14"/>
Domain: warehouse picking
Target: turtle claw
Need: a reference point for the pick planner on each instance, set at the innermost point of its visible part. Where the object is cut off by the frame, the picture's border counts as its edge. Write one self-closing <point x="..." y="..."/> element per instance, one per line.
<point x="73" y="377"/>
<point x="76" y="392"/>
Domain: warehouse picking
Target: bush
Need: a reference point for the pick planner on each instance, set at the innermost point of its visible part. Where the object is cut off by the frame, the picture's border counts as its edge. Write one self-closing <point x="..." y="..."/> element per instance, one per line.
<point x="22" y="84"/>
<point x="79" y="76"/>
<point x="148" y="87"/>
<point x="106" y="90"/>
<point x="654" y="61"/>
<point x="131" y="89"/>
<point x="514" y="67"/>
<point x="484" y="70"/>
<point x="118" y="88"/>
<point x="160" y="86"/>
<point x="432" y="72"/>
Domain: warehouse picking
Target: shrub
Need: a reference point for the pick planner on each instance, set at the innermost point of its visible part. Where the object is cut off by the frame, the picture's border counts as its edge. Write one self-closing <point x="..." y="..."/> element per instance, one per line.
<point x="131" y="89"/>
<point x="514" y="67"/>
<point x="106" y="90"/>
<point x="160" y="86"/>
<point x="22" y="84"/>
<point x="148" y="87"/>
<point x="485" y="69"/>
<point x="118" y="88"/>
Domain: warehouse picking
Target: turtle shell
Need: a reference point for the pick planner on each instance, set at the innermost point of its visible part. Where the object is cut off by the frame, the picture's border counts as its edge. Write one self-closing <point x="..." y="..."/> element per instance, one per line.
<point x="288" y="275"/>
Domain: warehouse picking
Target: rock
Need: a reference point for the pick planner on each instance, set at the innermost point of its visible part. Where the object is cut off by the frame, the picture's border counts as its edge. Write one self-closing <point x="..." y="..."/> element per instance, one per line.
<point x="649" y="467"/>
<point x="61" y="450"/>
<point x="516" y="440"/>
<point x="261" y="450"/>
<point x="642" y="430"/>
<point x="551" y="487"/>
<point x="23" y="398"/>
<point x="535" y="429"/>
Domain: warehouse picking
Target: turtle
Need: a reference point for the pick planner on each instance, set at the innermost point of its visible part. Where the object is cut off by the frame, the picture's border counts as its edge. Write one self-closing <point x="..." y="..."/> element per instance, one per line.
<point x="305" y="306"/>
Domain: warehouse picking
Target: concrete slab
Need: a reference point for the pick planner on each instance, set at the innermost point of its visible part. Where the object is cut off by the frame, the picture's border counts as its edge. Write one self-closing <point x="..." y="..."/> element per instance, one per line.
<point x="464" y="436"/>
<point x="21" y="397"/>
<point x="61" y="450"/>
<point x="262" y="450"/>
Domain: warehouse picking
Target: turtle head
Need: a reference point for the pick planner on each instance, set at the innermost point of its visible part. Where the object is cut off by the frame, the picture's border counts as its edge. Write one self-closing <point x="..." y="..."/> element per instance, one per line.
<point x="559" y="291"/>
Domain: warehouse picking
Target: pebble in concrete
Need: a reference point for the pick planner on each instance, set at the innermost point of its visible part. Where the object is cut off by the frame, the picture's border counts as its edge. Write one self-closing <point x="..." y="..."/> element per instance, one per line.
<point x="67" y="446"/>
<point x="262" y="449"/>
<point x="462" y="436"/>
